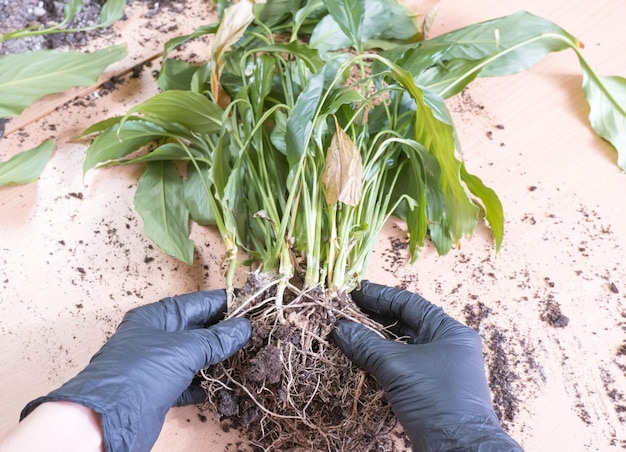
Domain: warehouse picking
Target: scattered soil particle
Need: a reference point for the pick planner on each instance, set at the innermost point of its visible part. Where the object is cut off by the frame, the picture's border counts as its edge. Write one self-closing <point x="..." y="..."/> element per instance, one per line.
<point x="501" y="378"/>
<point x="613" y="287"/>
<point x="617" y="397"/>
<point x="77" y="195"/>
<point x="475" y="314"/>
<point x="552" y="314"/>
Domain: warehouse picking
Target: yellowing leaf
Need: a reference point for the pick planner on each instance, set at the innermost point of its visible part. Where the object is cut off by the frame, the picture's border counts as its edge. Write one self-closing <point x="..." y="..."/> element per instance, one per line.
<point x="234" y="22"/>
<point x="343" y="171"/>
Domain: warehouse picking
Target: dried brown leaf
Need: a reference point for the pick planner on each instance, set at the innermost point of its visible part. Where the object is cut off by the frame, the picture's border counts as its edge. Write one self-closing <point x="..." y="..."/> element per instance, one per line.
<point x="344" y="169"/>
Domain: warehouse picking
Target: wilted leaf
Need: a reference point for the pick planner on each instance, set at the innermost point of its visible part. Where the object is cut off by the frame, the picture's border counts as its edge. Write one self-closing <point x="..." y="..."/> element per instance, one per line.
<point x="26" y="77"/>
<point x="235" y="21"/>
<point x="343" y="172"/>
<point x="491" y="203"/>
<point x="436" y="134"/>
<point x="26" y="166"/>
<point x="607" y="103"/>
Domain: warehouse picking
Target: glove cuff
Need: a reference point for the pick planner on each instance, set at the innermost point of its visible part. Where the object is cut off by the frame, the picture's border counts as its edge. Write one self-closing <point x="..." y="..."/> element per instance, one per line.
<point x="121" y="433"/>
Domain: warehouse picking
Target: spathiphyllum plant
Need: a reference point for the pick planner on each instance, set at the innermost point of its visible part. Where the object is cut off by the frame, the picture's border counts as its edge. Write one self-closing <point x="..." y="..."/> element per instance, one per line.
<point x="311" y="123"/>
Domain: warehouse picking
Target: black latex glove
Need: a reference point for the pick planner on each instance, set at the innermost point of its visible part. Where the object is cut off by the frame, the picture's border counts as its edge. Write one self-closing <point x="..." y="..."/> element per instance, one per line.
<point x="436" y="384"/>
<point x="148" y="366"/>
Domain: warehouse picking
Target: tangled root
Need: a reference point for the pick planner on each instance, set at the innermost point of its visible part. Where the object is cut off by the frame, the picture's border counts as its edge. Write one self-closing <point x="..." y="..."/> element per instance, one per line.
<point x="292" y="388"/>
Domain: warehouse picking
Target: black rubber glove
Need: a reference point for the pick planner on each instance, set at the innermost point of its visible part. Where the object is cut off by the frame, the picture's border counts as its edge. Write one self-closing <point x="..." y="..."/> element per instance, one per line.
<point x="436" y="384"/>
<point x="149" y="364"/>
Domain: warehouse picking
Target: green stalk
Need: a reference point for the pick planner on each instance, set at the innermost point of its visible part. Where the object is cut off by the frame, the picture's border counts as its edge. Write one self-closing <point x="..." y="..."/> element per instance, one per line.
<point x="332" y="243"/>
<point x="229" y="242"/>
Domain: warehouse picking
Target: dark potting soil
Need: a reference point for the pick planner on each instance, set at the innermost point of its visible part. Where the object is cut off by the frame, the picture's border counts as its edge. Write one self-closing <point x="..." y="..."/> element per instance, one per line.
<point x="18" y="14"/>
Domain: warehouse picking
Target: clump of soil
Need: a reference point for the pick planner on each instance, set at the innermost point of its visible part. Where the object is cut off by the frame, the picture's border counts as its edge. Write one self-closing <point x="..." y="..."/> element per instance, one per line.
<point x="291" y="387"/>
<point x="552" y="313"/>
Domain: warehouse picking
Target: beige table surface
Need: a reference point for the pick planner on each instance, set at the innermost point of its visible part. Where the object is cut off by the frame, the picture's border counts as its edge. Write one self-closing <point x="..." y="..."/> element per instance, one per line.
<point x="73" y="258"/>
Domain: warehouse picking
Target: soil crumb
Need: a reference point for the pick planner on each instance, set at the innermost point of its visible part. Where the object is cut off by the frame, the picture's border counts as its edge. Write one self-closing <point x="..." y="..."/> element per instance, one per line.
<point x="552" y="314"/>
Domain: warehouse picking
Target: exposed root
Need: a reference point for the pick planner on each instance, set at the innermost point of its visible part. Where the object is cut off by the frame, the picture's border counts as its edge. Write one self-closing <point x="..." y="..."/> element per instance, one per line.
<point x="292" y="388"/>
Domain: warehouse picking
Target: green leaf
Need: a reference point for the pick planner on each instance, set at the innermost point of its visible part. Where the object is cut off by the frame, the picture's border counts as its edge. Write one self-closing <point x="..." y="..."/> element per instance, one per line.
<point x="349" y="15"/>
<point x="101" y="126"/>
<point x="386" y="23"/>
<point x="309" y="56"/>
<point x="504" y="46"/>
<point x="111" y="11"/>
<point x="607" y="103"/>
<point x="26" y="166"/>
<point x="300" y="120"/>
<point x="119" y="141"/>
<point x="160" y="201"/>
<point x="196" y="195"/>
<point x="71" y="8"/>
<point x="165" y="152"/>
<point x="189" y="109"/>
<point x="437" y="136"/>
<point x="177" y="74"/>
<point x="26" y="77"/>
<point x="491" y="203"/>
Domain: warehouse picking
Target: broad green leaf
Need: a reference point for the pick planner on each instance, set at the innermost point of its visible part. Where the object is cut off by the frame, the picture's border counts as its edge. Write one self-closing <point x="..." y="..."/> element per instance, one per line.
<point x="196" y="195"/>
<point x="280" y="132"/>
<point x="261" y="83"/>
<point x="491" y="203"/>
<point x="165" y="152"/>
<point x="101" y="126"/>
<point x="438" y="138"/>
<point x="119" y="141"/>
<point x="300" y="120"/>
<point x="191" y="110"/>
<point x="309" y="56"/>
<point x="111" y="11"/>
<point x="177" y="74"/>
<point x="26" y="77"/>
<point x="386" y="23"/>
<point x="417" y="217"/>
<point x="349" y="16"/>
<point x="504" y="46"/>
<point x="222" y="165"/>
<point x="607" y="108"/>
<point x="26" y="166"/>
<point x="160" y="201"/>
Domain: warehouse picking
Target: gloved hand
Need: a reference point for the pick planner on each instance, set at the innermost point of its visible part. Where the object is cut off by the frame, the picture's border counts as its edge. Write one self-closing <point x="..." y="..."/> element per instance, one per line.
<point x="436" y="383"/>
<point x="148" y="366"/>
